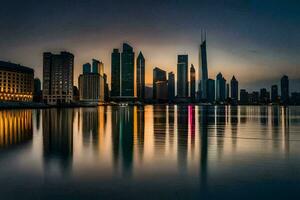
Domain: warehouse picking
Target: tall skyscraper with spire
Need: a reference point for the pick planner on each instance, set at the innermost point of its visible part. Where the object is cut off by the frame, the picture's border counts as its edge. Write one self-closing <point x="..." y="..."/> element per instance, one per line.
<point x="140" y="78"/>
<point x="203" y="64"/>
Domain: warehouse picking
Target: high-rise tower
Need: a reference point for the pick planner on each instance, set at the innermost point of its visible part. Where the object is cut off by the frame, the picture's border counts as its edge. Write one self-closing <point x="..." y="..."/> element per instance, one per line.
<point x="140" y="78"/>
<point x="182" y="76"/>
<point x="203" y="64"/>
<point x="192" y="82"/>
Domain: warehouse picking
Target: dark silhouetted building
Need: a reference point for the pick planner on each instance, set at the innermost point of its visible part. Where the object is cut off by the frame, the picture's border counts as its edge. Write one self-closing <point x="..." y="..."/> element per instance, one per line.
<point x="295" y="98"/>
<point x="148" y="93"/>
<point x="58" y="70"/>
<point x="161" y="90"/>
<point x="211" y="91"/>
<point x="158" y="75"/>
<point x="274" y="94"/>
<point x="98" y="67"/>
<point x="203" y="62"/>
<point x="244" y="97"/>
<point x="37" y="92"/>
<point x="75" y="93"/>
<point x="234" y="86"/>
<point x="264" y="96"/>
<point x="253" y="98"/>
<point x="171" y="86"/>
<point x="182" y="76"/>
<point x="115" y="73"/>
<point x="106" y="88"/>
<point x="127" y="72"/>
<point x="140" y="78"/>
<point x="193" y="83"/>
<point x="220" y="88"/>
<point x="285" y="93"/>
<point x="87" y="68"/>
<point x="227" y="91"/>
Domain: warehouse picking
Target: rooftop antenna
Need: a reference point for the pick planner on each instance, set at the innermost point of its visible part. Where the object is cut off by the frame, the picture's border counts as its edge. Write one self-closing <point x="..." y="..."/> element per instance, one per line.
<point x="201" y="35"/>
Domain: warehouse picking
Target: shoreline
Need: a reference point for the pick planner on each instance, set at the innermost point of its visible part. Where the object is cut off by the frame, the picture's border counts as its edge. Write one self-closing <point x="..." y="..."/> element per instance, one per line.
<point x="33" y="105"/>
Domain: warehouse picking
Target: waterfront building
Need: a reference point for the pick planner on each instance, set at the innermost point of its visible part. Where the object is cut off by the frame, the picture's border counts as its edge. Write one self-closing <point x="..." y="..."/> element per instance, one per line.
<point x="193" y="83"/>
<point x="182" y="76"/>
<point x="253" y="98"/>
<point x="204" y="70"/>
<point x="58" y="72"/>
<point x="92" y="84"/>
<point x="264" y="96"/>
<point x="211" y="88"/>
<point x="285" y="92"/>
<point x="158" y="75"/>
<point x="220" y="88"/>
<point x="234" y="86"/>
<point x="274" y="94"/>
<point x="244" y="97"/>
<point x="161" y="90"/>
<point x="115" y="74"/>
<point x="16" y="82"/>
<point x="171" y="86"/>
<point x="127" y="72"/>
<point x="140" y="77"/>
<point x="37" y="92"/>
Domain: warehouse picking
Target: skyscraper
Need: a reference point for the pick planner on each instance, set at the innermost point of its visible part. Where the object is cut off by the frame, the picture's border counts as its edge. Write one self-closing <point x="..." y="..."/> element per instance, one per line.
<point x="171" y="86"/>
<point x="92" y="83"/>
<point x="58" y="72"/>
<point x="115" y="73"/>
<point x="37" y="92"/>
<point x="158" y="75"/>
<point x="227" y="92"/>
<point x="220" y="88"/>
<point x="98" y="67"/>
<point x="274" y="93"/>
<point x="264" y="96"/>
<point x="211" y="90"/>
<point x="244" y="96"/>
<point x="193" y="83"/>
<point x="140" y="76"/>
<point x="182" y="76"/>
<point x="234" y="87"/>
<point x="127" y="71"/>
<point x="203" y="63"/>
<point x="86" y="68"/>
<point x="285" y="91"/>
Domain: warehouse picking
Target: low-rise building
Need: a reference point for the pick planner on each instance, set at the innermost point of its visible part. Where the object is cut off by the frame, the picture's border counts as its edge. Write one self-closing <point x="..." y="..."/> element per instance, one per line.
<point x="16" y="82"/>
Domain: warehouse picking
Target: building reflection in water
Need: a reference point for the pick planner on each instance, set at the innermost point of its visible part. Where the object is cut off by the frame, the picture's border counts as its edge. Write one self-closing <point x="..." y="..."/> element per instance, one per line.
<point x="221" y="115"/>
<point x="285" y="124"/>
<point x="182" y="136"/>
<point x="159" y="128"/>
<point x="58" y="137"/>
<point x="90" y="126"/>
<point x="37" y="114"/>
<point x="122" y="136"/>
<point x="139" y="120"/>
<point x="15" y="127"/>
<point x="192" y="126"/>
<point x="234" y="125"/>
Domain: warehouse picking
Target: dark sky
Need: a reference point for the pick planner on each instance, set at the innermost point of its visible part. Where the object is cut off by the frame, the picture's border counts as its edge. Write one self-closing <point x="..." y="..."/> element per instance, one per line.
<point x="257" y="40"/>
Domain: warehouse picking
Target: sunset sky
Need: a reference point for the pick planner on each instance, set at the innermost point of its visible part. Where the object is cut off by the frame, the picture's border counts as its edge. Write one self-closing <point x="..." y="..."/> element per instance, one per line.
<point x="256" y="40"/>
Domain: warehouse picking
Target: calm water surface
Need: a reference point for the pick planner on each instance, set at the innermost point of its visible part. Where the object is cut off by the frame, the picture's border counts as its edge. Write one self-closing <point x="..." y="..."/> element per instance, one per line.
<point x="151" y="152"/>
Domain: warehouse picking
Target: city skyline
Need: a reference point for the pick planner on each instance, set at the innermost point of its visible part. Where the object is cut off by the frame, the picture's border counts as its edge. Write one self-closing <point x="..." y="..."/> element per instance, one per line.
<point x="232" y="48"/>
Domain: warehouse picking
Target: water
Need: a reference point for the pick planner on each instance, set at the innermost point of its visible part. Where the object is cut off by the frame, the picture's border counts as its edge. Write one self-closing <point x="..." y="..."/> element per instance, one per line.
<point x="151" y="152"/>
